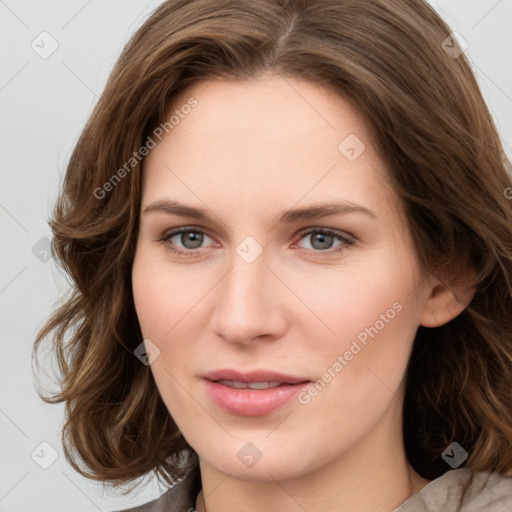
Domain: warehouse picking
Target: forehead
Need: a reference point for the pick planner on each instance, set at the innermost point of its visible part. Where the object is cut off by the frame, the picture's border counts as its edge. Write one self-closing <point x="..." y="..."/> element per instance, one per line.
<point x="269" y="110"/>
<point x="274" y="138"/>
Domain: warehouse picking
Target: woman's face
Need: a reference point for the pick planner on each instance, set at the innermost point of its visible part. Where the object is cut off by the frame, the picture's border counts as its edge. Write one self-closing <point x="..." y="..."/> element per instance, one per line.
<point x="265" y="293"/>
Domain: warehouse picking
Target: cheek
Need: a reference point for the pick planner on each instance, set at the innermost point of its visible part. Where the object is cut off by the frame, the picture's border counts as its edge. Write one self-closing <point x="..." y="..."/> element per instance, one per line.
<point x="161" y="302"/>
<point x="347" y="300"/>
<point x="163" y="298"/>
<point x="372" y="318"/>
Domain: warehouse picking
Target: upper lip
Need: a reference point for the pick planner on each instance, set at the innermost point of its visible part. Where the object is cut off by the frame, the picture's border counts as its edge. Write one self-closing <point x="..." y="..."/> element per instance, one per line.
<point x="252" y="376"/>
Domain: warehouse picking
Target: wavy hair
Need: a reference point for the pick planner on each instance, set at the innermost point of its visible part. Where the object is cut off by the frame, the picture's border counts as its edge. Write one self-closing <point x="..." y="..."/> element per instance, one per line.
<point x="446" y="162"/>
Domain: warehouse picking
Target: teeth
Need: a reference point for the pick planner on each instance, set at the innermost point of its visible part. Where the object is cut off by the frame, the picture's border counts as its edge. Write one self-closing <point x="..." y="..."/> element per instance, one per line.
<point x="263" y="385"/>
<point x="249" y="385"/>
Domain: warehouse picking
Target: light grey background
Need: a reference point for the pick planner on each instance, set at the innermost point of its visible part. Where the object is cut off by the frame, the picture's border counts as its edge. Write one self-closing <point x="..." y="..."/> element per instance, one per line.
<point x="44" y="103"/>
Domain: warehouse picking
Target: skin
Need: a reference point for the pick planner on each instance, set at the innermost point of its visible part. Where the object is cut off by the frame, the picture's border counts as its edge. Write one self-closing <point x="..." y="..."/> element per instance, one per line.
<point x="246" y="152"/>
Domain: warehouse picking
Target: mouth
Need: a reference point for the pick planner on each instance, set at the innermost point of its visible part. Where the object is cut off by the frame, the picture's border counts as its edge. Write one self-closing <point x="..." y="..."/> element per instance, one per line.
<point x="254" y="393"/>
<point x="248" y="385"/>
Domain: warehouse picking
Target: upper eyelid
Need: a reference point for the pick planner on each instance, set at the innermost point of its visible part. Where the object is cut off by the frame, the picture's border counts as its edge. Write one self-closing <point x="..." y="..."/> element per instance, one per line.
<point x="169" y="233"/>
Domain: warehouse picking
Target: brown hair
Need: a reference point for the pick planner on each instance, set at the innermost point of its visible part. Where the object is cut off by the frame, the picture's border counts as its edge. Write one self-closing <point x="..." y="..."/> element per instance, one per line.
<point x="446" y="162"/>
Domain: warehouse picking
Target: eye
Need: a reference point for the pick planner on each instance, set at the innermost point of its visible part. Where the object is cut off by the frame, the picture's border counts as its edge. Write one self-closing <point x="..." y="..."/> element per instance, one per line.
<point x="322" y="240"/>
<point x="190" y="238"/>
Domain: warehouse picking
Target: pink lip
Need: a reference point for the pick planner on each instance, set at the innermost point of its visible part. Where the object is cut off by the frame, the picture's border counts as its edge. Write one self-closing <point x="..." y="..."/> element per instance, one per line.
<point x="252" y="402"/>
<point x="252" y="376"/>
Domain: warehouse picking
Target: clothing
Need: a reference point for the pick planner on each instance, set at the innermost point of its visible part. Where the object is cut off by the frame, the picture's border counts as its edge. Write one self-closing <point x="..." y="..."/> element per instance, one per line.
<point x="463" y="490"/>
<point x="458" y="490"/>
<point x="181" y="497"/>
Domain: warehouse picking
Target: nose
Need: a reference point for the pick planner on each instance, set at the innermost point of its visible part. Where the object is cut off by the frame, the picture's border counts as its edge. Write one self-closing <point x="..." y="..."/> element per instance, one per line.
<point x="250" y="303"/>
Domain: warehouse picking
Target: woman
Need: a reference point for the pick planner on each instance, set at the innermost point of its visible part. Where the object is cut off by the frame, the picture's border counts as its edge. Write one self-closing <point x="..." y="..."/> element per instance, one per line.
<point x="213" y="338"/>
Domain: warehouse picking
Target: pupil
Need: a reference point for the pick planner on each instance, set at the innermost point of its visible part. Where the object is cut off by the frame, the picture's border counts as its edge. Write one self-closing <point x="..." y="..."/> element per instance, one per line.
<point x="324" y="239"/>
<point x="192" y="236"/>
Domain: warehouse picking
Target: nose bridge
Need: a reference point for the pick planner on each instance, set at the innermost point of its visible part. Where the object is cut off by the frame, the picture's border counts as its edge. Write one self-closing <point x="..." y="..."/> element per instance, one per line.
<point x="245" y="307"/>
<point x="245" y="284"/>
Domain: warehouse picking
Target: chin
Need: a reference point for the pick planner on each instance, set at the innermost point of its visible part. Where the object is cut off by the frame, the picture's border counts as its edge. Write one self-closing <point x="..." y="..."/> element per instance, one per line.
<point x="262" y="461"/>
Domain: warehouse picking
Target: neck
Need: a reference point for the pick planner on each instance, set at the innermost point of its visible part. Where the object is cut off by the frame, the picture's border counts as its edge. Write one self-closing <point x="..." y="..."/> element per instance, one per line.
<point x="373" y="475"/>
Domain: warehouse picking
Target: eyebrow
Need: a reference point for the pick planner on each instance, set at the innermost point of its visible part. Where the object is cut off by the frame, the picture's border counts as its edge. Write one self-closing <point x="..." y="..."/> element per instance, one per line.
<point x="172" y="207"/>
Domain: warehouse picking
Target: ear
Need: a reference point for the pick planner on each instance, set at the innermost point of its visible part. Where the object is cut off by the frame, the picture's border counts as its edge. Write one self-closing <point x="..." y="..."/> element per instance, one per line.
<point x="448" y="298"/>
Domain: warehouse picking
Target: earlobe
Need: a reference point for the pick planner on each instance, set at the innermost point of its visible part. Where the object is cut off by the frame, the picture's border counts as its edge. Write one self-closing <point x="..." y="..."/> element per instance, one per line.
<point x="446" y="302"/>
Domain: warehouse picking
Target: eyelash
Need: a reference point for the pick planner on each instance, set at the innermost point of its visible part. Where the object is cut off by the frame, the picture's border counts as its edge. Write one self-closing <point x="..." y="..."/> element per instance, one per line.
<point x="348" y="241"/>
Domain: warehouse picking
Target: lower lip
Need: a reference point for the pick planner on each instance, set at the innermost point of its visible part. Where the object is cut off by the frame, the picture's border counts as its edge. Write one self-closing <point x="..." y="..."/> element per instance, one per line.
<point x="252" y="402"/>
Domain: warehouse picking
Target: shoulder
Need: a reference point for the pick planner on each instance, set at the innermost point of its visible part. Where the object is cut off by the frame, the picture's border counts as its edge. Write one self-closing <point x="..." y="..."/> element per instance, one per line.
<point x="463" y="490"/>
<point x="180" y="497"/>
